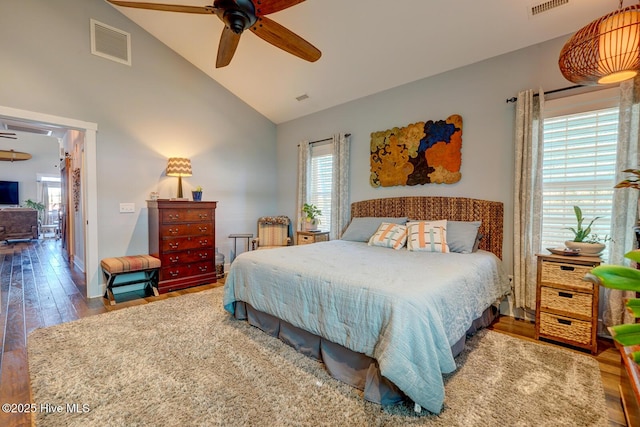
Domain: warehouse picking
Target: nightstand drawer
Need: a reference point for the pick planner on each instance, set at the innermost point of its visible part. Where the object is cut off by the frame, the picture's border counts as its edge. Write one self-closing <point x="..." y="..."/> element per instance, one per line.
<point x="307" y="237"/>
<point x="567" y="301"/>
<point x="566" y="274"/>
<point x="565" y="327"/>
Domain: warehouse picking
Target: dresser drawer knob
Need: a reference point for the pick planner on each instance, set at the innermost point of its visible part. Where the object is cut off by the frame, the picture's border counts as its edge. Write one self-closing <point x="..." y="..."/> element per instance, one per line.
<point x="567" y="268"/>
<point x="174" y="216"/>
<point x="174" y="273"/>
<point x="174" y="245"/>
<point x="203" y="229"/>
<point x="204" y="242"/>
<point x="172" y="231"/>
<point x="564" y="322"/>
<point x="204" y="268"/>
<point x="565" y="295"/>
<point x="203" y="216"/>
<point x="174" y="259"/>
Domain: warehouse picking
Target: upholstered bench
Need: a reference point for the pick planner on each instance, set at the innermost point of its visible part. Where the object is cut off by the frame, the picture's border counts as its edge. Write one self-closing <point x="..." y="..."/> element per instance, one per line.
<point x="117" y="266"/>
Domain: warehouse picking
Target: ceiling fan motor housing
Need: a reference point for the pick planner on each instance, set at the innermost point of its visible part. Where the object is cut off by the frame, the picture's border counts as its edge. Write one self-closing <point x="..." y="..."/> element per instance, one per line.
<point x="238" y="15"/>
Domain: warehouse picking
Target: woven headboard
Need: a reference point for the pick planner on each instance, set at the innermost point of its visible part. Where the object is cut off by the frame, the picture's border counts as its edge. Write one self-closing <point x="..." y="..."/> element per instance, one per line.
<point x="435" y="208"/>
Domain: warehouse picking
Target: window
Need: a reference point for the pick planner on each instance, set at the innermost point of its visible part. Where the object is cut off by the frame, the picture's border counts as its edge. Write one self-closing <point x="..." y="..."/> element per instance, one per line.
<point x="579" y="161"/>
<point x="320" y="182"/>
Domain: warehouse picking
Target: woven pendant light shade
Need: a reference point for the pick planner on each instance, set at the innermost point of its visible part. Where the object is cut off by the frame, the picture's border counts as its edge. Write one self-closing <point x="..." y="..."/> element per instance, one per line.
<point x="605" y="51"/>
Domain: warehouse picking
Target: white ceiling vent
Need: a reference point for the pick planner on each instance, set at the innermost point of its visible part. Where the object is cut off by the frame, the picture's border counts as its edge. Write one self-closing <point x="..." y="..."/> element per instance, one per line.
<point x="110" y="43"/>
<point x="546" y="6"/>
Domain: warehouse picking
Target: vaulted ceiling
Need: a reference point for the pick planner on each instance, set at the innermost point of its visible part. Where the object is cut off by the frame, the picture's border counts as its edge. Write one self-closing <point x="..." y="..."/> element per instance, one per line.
<point x="367" y="45"/>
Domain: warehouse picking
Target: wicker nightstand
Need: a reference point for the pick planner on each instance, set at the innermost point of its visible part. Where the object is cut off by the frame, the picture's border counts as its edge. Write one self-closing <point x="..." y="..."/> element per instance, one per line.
<point x="567" y="305"/>
<point x="306" y="237"/>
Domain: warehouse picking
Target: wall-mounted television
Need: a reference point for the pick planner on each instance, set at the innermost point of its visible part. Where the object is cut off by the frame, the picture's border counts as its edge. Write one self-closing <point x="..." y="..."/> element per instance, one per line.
<point x="9" y="193"/>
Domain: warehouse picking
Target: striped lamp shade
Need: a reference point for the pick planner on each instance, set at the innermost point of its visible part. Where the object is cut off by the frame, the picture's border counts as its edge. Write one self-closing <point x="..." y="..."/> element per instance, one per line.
<point x="179" y="166"/>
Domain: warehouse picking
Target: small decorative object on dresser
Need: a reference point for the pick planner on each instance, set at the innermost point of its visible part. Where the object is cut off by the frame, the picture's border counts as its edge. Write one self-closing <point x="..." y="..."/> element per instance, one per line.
<point x="306" y="237"/>
<point x="182" y="235"/>
<point x="197" y="194"/>
<point x="567" y="305"/>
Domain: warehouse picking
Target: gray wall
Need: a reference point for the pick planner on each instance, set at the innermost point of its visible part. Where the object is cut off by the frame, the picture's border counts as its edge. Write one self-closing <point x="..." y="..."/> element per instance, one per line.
<point x="476" y="92"/>
<point x="161" y="106"/>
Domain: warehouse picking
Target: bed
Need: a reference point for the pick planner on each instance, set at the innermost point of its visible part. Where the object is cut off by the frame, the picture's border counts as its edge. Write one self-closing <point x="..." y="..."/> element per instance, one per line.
<point x="389" y="322"/>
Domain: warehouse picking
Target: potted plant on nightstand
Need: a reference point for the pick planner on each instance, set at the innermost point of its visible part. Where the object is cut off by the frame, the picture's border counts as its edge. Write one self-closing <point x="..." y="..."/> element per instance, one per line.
<point x="310" y="220"/>
<point x="588" y="244"/>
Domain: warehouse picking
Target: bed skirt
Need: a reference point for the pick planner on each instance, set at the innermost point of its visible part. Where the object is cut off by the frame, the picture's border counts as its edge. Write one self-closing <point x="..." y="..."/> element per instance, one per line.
<point x="356" y="369"/>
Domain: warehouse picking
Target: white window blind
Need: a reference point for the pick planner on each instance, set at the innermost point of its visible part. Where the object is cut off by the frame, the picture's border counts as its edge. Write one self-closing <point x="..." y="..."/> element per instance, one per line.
<point x="320" y="182"/>
<point x="579" y="163"/>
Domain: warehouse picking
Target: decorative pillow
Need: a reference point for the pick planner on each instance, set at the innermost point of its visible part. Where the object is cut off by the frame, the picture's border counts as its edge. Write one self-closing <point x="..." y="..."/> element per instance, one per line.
<point x="361" y="229"/>
<point x="389" y="235"/>
<point x="462" y="235"/>
<point x="427" y="236"/>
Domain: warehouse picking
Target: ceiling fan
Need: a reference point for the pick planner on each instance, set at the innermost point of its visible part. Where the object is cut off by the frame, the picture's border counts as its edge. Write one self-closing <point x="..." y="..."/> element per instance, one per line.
<point x="8" y="135"/>
<point x="238" y="15"/>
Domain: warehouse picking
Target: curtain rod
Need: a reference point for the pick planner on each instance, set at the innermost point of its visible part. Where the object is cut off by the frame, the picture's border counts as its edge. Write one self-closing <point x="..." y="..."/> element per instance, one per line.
<point x="515" y="98"/>
<point x="326" y="139"/>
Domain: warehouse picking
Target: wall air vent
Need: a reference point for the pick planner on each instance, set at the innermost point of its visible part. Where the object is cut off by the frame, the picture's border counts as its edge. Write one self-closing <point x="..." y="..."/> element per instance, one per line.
<point x="546" y="6"/>
<point x="110" y="43"/>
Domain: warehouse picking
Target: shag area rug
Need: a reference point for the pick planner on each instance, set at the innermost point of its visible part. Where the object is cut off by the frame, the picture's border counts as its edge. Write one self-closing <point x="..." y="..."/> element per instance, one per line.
<point x="184" y="362"/>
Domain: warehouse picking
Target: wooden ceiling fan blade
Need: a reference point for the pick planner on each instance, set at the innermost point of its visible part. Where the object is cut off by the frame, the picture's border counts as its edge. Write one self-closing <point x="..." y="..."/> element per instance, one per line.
<point x="279" y="36"/>
<point x="227" y="48"/>
<point x="265" y="7"/>
<point x="163" y="7"/>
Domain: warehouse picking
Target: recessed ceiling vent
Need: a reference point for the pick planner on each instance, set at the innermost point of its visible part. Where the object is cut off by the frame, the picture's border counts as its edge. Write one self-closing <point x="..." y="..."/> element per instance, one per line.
<point x="110" y="43"/>
<point x="546" y="6"/>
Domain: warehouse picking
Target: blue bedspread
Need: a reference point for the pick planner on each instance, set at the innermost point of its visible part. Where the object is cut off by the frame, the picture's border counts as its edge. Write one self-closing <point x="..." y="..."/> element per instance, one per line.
<point x="405" y="309"/>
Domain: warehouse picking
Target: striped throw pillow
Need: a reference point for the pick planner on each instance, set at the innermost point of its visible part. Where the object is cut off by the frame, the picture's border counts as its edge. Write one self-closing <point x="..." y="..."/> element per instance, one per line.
<point x="427" y="236"/>
<point x="389" y="235"/>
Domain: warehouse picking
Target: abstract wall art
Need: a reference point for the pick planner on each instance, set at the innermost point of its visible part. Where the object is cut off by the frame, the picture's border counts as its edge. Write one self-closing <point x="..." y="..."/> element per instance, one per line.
<point x="421" y="153"/>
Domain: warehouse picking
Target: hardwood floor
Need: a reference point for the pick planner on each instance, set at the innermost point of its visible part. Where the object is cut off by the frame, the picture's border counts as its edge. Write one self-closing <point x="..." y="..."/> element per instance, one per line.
<point x="39" y="289"/>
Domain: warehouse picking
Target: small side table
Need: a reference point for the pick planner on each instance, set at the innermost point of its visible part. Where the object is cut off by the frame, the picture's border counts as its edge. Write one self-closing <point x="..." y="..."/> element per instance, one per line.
<point x="235" y="238"/>
<point x="307" y="237"/>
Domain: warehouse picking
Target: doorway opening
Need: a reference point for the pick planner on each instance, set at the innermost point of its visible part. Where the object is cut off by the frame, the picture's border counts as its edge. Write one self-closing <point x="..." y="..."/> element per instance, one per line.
<point x="84" y="185"/>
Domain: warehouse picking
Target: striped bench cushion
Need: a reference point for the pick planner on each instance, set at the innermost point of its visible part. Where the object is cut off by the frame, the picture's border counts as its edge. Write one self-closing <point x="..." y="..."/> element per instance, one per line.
<point x="126" y="264"/>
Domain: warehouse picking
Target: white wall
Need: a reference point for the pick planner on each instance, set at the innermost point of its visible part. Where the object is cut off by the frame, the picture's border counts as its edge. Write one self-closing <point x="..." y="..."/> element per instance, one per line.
<point x="45" y="157"/>
<point x="476" y="92"/>
<point x="160" y="107"/>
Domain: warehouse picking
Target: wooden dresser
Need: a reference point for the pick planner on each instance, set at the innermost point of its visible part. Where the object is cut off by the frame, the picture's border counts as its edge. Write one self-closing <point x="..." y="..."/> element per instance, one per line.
<point x="567" y="305"/>
<point x="182" y="235"/>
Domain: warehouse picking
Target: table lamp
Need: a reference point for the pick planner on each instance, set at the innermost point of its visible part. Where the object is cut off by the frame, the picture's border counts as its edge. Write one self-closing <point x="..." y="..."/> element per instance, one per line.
<point x="179" y="166"/>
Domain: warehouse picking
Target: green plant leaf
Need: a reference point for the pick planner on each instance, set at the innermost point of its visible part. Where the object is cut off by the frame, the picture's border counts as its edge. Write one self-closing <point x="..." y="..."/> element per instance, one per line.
<point x="635" y="355"/>
<point x="628" y="339"/>
<point x="624" y="329"/>
<point x="633" y="255"/>
<point x="634" y="310"/>
<point x="618" y="277"/>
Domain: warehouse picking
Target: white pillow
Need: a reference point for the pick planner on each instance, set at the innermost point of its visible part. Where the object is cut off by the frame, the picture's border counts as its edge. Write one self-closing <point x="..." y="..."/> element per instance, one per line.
<point x="389" y="235"/>
<point x="427" y="236"/>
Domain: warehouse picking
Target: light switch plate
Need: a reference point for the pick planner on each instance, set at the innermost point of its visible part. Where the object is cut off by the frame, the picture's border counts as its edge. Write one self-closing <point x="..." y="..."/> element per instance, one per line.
<point x="127" y="207"/>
